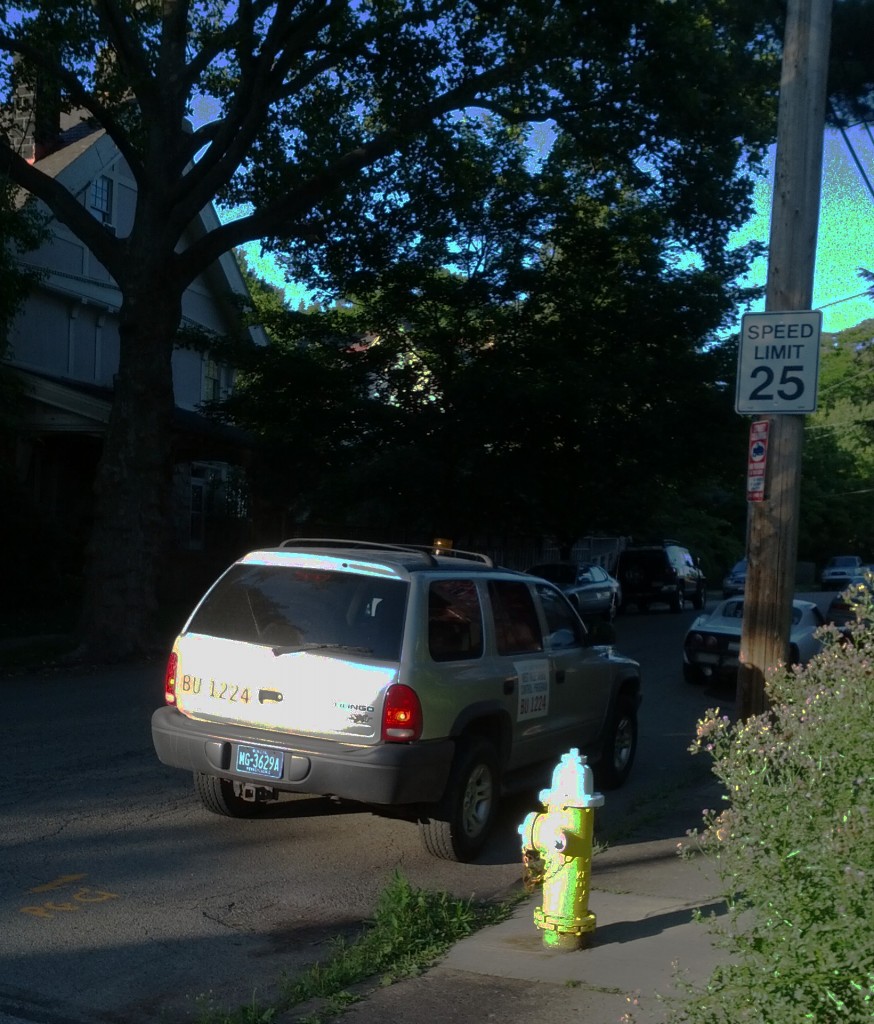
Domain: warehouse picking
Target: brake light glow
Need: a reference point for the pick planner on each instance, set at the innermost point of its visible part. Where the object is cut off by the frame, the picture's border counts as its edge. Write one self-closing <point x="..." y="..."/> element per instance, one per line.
<point x="401" y="715"/>
<point x="170" y="678"/>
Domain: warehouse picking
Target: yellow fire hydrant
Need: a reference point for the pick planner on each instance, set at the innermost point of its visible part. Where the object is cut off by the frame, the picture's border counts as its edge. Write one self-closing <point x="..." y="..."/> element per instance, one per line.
<point x="559" y="842"/>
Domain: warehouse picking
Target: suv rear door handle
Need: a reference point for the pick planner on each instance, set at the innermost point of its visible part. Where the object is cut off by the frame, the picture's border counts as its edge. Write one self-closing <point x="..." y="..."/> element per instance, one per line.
<point x="559" y="675"/>
<point x="509" y="684"/>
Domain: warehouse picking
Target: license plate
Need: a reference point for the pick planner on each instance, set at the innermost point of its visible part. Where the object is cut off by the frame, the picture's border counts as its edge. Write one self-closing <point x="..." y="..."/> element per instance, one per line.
<point x="260" y="761"/>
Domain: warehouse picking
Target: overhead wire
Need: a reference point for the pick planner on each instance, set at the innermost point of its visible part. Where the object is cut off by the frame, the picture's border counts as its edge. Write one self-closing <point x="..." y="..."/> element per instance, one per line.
<point x="852" y="149"/>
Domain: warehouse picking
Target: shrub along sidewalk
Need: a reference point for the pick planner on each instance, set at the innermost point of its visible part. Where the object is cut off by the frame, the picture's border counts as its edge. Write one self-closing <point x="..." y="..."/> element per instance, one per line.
<point x="794" y="845"/>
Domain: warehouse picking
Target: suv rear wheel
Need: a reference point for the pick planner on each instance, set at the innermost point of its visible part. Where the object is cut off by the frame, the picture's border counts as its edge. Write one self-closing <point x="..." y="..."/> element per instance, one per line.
<point x="458" y="826"/>
<point x="221" y="796"/>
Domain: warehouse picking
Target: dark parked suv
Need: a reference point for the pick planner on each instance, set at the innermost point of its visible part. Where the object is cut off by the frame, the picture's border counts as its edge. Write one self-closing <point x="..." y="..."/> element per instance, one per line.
<point x="661" y="573"/>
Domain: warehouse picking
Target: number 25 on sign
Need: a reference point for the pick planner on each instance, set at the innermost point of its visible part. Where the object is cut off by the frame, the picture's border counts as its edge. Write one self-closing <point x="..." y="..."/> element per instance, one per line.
<point x="778" y="362"/>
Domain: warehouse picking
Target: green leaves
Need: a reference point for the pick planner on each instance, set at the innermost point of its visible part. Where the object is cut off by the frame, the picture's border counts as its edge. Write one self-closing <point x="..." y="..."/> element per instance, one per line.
<point x="376" y="146"/>
<point x="795" y="840"/>
<point x="838" y="469"/>
<point x="422" y="399"/>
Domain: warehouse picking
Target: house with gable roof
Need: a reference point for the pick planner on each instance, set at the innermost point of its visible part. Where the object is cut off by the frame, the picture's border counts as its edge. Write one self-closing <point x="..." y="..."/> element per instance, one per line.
<point x="64" y="348"/>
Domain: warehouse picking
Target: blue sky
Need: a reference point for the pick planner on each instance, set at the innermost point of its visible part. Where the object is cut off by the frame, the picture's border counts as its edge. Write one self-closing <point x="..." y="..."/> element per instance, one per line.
<point x="846" y="232"/>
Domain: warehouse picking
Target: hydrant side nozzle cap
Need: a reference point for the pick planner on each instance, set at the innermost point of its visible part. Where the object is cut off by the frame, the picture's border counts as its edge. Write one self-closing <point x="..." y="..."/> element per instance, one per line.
<point x="526" y="829"/>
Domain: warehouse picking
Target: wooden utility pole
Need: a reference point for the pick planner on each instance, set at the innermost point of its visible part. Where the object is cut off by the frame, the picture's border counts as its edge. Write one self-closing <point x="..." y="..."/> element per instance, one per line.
<point x="773" y="521"/>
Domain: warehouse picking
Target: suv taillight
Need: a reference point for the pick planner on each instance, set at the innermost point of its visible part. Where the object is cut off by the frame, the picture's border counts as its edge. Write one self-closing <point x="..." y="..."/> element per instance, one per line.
<point x="401" y="715"/>
<point x="170" y="679"/>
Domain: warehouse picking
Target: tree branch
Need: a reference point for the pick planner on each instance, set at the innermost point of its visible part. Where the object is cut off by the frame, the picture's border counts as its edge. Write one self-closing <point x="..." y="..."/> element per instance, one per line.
<point x="230" y="138"/>
<point x="81" y="97"/>
<point x="286" y="213"/>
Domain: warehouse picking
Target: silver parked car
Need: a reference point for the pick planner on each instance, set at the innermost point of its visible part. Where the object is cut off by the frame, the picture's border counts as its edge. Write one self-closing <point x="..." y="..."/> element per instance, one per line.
<point x="416" y="681"/>
<point x="591" y="589"/>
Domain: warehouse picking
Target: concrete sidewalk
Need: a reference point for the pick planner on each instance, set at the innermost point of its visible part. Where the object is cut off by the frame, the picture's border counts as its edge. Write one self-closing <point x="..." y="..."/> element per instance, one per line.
<point x="643" y="895"/>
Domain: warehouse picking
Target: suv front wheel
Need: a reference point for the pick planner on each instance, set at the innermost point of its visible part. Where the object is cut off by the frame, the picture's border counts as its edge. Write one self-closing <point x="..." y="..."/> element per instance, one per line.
<point x="458" y="826"/>
<point x="620" y="746"/>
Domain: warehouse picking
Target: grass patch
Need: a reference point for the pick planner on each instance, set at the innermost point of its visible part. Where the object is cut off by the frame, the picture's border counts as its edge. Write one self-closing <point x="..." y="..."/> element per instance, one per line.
<point x="410" y="929"/>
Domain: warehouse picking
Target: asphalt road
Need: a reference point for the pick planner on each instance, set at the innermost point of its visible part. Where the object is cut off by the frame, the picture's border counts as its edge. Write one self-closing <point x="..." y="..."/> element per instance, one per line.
<point x="123" y="900"/>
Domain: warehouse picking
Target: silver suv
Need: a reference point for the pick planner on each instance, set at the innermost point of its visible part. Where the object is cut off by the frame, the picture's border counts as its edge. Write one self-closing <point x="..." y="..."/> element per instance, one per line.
<point x="418" y="682"/>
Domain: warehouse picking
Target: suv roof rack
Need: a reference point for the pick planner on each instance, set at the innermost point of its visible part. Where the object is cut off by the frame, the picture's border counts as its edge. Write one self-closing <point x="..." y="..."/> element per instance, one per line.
<point x="468" y="556"/>
<point x="428" y="551"/>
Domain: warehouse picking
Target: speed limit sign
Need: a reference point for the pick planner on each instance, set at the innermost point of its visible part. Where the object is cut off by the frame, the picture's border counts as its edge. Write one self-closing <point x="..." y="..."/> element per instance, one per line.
<point x="778" y="362"/>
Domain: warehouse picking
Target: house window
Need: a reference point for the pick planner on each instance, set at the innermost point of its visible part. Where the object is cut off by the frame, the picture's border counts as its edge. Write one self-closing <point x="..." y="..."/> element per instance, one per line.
<point x="217" y="504"/>
<point x="218" y="380"/>
<point x="101" y="198"/>
<point x="212" y="380"/>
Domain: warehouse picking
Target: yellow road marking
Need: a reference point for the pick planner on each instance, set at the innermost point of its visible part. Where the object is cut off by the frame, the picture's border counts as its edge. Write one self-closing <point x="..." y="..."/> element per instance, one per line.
<point x="58" y="883"/>
<point x="83" y="895"/>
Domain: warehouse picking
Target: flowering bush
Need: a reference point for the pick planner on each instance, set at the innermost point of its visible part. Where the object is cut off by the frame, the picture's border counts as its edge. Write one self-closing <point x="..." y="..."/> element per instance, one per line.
<point x="794" y="844"/>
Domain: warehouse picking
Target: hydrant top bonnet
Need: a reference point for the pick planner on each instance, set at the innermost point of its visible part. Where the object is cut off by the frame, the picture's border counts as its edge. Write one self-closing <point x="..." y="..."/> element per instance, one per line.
<point x="572" y="783"/>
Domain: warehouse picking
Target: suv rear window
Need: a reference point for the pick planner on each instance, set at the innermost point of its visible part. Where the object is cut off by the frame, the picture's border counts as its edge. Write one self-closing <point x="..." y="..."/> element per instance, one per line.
<point x="285" y="606"/>
<point x="649" y="562"/>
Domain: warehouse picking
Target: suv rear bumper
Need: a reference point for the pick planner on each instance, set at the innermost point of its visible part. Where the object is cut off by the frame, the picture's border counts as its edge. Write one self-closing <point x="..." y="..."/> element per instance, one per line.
<point x="388" y="774"/>
<point x="653" y="591"/>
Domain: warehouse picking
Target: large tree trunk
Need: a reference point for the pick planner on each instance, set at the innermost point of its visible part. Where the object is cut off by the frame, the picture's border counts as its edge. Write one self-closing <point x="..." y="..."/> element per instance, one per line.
<point x="133" y="486"/>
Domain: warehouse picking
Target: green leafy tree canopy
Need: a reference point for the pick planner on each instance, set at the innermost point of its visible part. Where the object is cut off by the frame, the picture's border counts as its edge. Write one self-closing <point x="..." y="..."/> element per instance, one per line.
<point x="343" y="130"/>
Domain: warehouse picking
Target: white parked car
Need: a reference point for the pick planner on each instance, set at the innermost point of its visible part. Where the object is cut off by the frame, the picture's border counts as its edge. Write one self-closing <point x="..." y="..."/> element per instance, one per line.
<point x="712" y="645"/>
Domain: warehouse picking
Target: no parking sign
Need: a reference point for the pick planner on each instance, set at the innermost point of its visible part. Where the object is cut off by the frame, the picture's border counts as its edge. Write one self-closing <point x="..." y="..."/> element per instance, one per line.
<point x="758" y="459"/>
